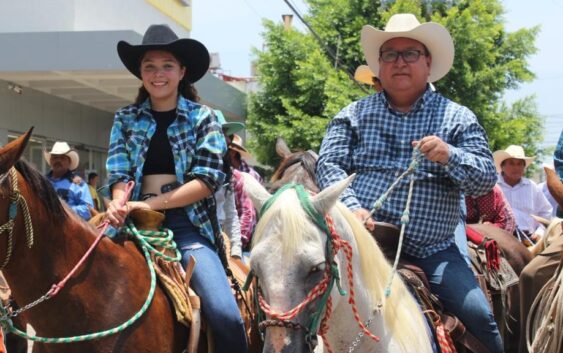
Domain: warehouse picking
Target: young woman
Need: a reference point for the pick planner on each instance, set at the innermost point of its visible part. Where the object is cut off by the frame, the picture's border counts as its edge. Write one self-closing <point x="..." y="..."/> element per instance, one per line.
<point x="172" y="148"/>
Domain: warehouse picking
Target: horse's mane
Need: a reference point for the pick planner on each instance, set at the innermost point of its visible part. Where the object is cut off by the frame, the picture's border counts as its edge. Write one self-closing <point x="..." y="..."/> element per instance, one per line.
<point x="398" y="308"/>
<point x="42" y="188"/>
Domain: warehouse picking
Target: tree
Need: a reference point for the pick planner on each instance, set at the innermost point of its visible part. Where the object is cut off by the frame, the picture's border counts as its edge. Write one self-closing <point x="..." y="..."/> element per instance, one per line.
<point x="302" y="90"/>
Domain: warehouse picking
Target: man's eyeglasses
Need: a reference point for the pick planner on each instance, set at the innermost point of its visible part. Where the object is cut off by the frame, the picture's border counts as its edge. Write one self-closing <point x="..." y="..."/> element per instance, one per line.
<point x="409" y="56"/>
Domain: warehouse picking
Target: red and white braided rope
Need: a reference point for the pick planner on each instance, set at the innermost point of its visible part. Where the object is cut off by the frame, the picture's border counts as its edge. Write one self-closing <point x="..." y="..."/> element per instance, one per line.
<point x="337" y="243"/>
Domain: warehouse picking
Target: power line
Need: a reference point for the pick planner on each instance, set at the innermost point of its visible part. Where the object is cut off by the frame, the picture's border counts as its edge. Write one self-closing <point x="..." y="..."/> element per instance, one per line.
<point x="253" y="9"/>
<point x="325" y="47"/>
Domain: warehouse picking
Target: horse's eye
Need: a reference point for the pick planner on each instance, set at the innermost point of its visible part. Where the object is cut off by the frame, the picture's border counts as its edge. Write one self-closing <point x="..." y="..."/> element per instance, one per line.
<point x="318" y="268"/>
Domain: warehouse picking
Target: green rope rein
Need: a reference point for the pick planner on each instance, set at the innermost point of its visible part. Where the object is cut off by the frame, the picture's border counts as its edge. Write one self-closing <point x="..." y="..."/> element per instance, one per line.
<point x="152" y="239"/>
<point x="147" y="240"/>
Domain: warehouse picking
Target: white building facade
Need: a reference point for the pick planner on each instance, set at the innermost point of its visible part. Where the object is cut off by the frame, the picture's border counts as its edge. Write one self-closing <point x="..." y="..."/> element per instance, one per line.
<point x="61" y="74"/>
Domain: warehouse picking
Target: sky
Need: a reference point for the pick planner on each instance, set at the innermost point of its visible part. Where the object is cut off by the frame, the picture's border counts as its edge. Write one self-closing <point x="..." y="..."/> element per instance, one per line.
<point x="233" y="27"/>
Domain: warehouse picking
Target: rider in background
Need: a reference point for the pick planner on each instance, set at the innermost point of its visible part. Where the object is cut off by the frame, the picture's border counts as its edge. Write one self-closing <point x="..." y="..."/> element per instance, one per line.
<point x="63" y="160"/>
<point x="172" y="148"/>
<point x="374" y="138"/>
<point x="523" y="195"/>
<point x="225" y="196"/>
<point x="239" y="154"/>
<point x="491" y="208"/>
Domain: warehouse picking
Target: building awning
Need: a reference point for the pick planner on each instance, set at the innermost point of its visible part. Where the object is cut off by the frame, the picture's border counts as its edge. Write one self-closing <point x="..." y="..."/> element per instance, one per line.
<point x="84" y="67"/>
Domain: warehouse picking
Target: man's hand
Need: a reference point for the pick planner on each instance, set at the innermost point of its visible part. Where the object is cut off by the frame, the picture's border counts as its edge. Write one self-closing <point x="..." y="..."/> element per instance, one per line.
<point x="363" y="215"/>
<point x="434" y="149"/>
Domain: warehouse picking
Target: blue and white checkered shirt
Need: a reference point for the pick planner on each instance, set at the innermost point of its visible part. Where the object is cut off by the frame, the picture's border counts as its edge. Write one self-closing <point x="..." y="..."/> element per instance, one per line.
<point x="197" y="144"/>
<point x="371" y="139"/>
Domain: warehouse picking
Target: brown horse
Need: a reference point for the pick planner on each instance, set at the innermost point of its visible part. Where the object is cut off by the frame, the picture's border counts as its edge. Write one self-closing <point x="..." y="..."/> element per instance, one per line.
<point x="107" y="290"/>
<point x="295" y="167"/>
<point x="507" y="309"/>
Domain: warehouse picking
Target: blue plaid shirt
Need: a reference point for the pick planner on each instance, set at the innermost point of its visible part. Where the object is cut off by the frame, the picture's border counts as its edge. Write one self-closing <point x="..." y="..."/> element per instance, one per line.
<point x="558" y="157"/>
<point x="197" y="144"/>
<point x="371" y="139"/>
<point x="558" y="163"/>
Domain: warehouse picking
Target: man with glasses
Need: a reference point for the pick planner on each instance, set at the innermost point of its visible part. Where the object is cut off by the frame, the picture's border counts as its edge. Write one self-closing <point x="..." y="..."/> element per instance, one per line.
<point x="374" y="138"/>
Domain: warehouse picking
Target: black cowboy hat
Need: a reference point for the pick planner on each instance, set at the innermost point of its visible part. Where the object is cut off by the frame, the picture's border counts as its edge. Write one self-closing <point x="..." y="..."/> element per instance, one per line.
<point x="191" y="53"/>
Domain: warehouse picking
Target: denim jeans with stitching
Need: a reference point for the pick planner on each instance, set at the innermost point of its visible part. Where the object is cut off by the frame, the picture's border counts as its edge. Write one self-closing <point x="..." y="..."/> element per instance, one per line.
<point x="455" y="285"/>
<point x="209" y="281"/>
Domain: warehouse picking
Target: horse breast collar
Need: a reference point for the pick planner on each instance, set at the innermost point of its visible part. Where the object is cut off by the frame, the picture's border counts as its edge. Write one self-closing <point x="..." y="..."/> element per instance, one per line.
<point x="16" y="199"/>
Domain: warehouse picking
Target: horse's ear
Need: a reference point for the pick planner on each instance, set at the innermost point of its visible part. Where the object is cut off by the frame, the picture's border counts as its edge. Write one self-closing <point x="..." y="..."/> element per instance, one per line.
<point x="281" y="148"/>
<point x="11" y="152"/>
<point x="257" y="193"/>
<point x="324" y="200"/>
<point x="541" y="220"/>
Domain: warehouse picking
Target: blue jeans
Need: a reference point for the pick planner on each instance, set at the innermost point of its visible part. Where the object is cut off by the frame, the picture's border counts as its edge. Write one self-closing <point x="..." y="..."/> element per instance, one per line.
<point x="461" y="242"/>
<point x="210" y="282"/>
<point x="459" y="233"/>
<point x="454" y="283"/>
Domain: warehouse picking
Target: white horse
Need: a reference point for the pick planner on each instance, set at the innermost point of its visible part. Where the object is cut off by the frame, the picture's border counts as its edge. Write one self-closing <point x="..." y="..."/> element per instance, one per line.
<point x="289" y="258"/>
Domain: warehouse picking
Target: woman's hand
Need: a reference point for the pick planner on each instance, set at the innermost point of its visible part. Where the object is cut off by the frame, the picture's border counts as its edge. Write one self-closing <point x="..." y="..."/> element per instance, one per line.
<point x="116" y="213"/>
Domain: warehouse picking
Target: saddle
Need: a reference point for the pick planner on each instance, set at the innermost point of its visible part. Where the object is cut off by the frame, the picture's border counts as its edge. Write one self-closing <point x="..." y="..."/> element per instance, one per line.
<point x="175" y="283"/>
<point x="451" y="334"/>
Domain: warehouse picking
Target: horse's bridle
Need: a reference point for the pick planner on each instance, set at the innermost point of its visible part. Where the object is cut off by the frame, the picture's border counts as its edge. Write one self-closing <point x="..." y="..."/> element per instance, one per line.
<point x="16" y="199"/>
<point x="321" y="291"/>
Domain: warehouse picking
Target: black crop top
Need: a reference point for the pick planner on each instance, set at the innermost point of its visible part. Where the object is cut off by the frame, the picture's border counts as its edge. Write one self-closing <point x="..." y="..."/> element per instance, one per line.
<point x="159" y="156"/>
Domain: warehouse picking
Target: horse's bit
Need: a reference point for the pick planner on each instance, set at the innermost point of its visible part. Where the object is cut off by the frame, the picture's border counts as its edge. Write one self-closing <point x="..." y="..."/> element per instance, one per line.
<point x="16" y="199"/>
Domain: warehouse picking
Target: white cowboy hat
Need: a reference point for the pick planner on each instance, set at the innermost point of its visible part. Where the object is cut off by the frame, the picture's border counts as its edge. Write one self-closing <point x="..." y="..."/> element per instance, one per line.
<point x="434" y="36"/>
<point x="512" y="151"/>
<point x="62" y="148"/>
<point x="364" y="75"/>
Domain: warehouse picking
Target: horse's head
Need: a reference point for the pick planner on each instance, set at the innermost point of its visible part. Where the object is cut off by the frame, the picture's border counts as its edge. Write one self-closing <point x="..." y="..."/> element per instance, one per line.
<point x="22" y="189"/>
<point x="554" y="230"/>
<point x="10" y="195"/>
<point x="295" y="167"/>
<point x="11" y="153"/>
<point x="289" y="258"/>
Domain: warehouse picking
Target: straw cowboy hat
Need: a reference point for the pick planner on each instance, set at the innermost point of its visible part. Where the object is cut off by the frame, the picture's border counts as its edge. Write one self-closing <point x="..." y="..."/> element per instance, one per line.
<point x="230" y="128"/>
<point x="434" y="36"/>
<point x="512" y="151"/>
<point x="62" y="148"/>
<point x="236" y="145"/>
<point x="364" y="75"/>
<point x="191" y="53"/>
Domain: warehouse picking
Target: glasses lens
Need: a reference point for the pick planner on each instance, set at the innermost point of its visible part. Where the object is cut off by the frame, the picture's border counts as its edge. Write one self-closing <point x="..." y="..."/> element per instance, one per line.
<point x="411" y="56"/>
<point x="389" y="56"/>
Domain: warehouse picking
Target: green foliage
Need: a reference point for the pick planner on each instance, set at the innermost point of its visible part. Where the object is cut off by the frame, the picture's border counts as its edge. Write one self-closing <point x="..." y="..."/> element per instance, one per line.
<point x="302" y="90"/>
<point x="300" y="93"/>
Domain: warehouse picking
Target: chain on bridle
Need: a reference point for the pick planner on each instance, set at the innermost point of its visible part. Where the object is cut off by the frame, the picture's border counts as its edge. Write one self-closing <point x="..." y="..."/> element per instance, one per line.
<point x="16" y="199"/>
